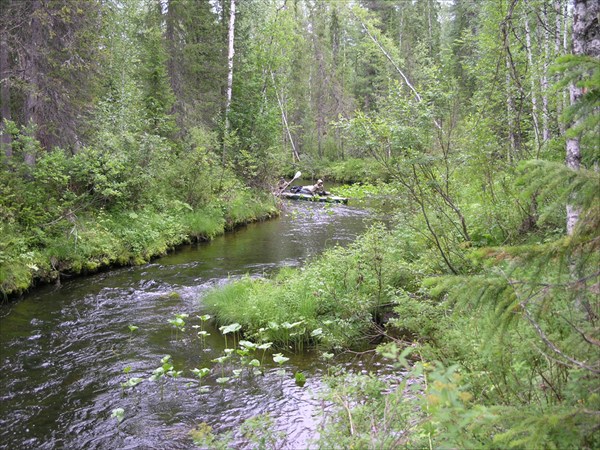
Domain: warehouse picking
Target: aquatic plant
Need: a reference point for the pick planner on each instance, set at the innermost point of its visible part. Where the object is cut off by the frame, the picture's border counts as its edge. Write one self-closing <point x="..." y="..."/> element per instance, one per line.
<point x="201" y="373"/>
<point x="203" y="318"/>
<point x="119" y="414"/>
<point x="203" y="437"/>
<point x="255" y="363"/>
<point x="166" y="369"/>
<point x="264" y="347"/>
<point x="280" y="359"/>
<point x="232" y="328"/>
<point x="300" y="379"/>
<point x="223" y="380"/>
<point x="345" y="288"/>
<point x="178" y="323"/>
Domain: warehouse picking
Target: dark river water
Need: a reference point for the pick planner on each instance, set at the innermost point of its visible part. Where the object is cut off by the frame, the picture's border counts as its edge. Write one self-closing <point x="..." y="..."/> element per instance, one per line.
<point x="65" y="350"/>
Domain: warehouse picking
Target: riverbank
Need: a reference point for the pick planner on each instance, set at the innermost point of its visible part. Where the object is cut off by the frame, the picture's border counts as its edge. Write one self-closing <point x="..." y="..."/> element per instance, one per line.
<point x="100" y="239"/>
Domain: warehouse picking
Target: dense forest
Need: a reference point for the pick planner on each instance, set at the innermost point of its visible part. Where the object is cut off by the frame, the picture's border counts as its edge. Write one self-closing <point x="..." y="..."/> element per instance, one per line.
<point x="132" y="126"/>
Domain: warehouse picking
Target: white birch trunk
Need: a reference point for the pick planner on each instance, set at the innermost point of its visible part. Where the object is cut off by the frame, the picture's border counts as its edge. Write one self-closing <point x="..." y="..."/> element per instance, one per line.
<point x="230" y="55"/>
<point x="509" y="114"/>
<point x="295" y="155"/>
<point x="534" y="102"/>
<point x="544" y="79"/>
<point x="586" y="41"/>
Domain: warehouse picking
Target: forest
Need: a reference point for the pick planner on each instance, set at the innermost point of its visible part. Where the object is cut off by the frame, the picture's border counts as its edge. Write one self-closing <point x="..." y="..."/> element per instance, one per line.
<point x="130" y="127"/>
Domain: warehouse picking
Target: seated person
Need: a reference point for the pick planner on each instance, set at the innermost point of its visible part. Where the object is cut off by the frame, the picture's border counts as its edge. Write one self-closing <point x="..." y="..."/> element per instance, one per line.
<point x="281" y="185"/>
<point x="316" y="188"/>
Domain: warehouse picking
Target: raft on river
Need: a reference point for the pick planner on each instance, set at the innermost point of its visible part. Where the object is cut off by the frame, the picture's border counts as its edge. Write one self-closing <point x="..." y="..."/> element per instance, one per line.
<point x="315" y="198"/>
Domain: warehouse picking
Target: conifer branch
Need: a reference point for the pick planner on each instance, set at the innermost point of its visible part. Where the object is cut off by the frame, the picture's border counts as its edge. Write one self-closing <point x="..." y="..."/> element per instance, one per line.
<point x="544" y="338"/>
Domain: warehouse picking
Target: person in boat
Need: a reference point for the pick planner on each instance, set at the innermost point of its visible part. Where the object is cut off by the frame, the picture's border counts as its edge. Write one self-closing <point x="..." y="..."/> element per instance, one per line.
<point x="315" y="189"/>
<point x="281" y="185"/>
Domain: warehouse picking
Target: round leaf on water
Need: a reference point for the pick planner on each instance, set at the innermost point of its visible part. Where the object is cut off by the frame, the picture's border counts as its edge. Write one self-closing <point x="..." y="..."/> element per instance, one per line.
<point x="220" y="359"/>
<point x="232" y="328"/>
<point x="248" y="344"/>
<point x="132" y="382"/>
<point x="119" y="413"/>
<point x="279" y="358"/>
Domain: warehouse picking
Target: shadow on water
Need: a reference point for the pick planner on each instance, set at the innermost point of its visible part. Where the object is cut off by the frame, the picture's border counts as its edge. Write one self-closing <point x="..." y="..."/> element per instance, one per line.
<point x="64" y="349"/>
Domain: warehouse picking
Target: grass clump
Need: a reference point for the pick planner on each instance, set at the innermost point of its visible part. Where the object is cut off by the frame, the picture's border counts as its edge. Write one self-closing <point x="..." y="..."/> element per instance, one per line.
<point x="333" y="302"/>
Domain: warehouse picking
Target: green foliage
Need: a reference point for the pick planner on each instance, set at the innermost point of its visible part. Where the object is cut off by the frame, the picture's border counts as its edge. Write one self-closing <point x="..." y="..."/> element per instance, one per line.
<point x="72" y="214"/>
<point x="582" y="71"/>
<point x="340" y="294"/>
<point x="352" y="170"/>
<point x="363" y="413"/>
<point x="260" y="432"/>
<point x="554" y="183"/>
<point x="203" y="436"/>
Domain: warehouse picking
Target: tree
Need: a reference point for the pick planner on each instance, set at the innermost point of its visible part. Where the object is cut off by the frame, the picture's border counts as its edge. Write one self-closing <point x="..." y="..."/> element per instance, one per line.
<point x="52" y="53"/>
<point x="586" y="41"/>
<point x="5" y="113"/>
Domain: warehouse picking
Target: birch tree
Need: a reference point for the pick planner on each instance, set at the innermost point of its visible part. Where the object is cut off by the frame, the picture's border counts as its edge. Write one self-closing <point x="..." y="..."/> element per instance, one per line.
<point x="586" y="41"/>
<point x="230" y="54"/>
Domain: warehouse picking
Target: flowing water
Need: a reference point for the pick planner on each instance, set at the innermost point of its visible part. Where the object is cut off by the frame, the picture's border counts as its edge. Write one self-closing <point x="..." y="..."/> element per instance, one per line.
<point x="64" y="349"/>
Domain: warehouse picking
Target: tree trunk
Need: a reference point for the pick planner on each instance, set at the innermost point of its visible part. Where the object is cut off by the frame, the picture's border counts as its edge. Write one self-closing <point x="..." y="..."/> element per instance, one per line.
<point x="230" y="53"/>
<point x="32" y="101"/>
<point x="534" y="100"/>
<point x="173" y="63"/>
<point x="544" y="79"/>
<point x="586" y="41"/>
<point x="561" y="32"/>
<point x="510" y="108"/>
<point x="4" y="97"/>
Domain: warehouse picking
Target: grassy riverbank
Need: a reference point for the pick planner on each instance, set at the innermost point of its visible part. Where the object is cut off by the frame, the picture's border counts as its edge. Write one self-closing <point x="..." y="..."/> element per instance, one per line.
<point x="92" y="240"/>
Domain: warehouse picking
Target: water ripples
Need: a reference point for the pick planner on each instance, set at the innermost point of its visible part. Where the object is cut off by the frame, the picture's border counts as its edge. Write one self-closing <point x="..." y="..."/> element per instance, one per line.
<point x="64" y="349"/>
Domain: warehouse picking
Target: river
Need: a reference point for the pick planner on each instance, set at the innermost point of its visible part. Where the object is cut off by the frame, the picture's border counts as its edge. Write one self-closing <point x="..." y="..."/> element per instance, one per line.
<point x="65" y="350"/>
